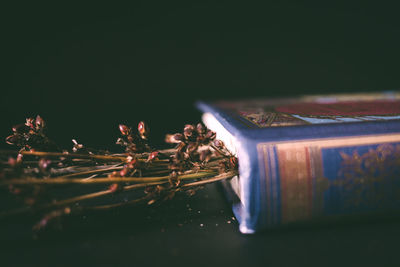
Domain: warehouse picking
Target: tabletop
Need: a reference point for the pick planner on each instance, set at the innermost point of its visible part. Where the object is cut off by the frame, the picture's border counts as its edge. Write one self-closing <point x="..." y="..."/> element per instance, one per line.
<point x="195" y="231"/>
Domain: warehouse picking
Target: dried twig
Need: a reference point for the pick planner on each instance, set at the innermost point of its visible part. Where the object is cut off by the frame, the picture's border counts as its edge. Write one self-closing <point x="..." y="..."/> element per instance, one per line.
<point x="198" y="159"/>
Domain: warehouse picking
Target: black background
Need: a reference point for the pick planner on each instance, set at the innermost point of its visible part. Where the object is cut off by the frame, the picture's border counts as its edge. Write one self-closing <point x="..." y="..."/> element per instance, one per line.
<point x="85" y="68"/>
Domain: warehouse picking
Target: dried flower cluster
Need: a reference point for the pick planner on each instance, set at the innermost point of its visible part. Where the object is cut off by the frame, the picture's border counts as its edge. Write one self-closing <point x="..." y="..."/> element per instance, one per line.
<point x="134" y="142"/>
<point x="152" y="175"/>
<point x="192" y="150"/>
<point x="196" y="146"/>
<point x="31" y="135"/>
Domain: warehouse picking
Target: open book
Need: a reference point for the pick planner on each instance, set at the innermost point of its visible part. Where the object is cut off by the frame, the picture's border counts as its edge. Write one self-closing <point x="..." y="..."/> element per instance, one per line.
<point x="310" y="157"/>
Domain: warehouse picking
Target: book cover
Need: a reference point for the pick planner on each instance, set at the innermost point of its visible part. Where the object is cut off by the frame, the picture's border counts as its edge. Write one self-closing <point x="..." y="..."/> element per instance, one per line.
<point x="310" y="157"/>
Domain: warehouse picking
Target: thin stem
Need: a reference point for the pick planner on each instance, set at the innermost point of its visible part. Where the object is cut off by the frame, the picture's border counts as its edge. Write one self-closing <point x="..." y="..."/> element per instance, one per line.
<point x="223" y="176"/>
<point x="84" y="156"/>
<point x="151" y="172"/>
<point x="125" y="188"/>
<point x="94" y="195"/>
<point x="103" y="180"/>
<point x="67" y="201"/>
<point x="93" y="171"/>
<point x="72" y="155"/>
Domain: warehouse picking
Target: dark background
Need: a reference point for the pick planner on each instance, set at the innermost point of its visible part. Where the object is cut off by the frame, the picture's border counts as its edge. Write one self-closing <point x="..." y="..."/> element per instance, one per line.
<point x="85" y="68"/>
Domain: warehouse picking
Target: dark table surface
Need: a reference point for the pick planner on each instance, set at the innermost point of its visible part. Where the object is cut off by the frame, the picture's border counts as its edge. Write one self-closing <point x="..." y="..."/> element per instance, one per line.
<point x="196" y="231"/>
<point x="86" y="68"/>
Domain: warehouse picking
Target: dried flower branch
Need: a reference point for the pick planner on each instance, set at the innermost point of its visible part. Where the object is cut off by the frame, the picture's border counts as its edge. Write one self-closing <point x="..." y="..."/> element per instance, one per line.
<point x="153" y="175"/>
<point x="31" y="136"/>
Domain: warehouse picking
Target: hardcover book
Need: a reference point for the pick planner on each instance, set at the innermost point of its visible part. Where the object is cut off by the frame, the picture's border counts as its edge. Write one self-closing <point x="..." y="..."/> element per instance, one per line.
<point x="311" y="157"/>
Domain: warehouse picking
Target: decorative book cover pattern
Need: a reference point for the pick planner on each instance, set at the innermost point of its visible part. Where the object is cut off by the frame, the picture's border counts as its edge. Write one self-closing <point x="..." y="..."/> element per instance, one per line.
<point x="314" y="110"/>
<point x="310" y="178"/>
<point x="312" y="156"/>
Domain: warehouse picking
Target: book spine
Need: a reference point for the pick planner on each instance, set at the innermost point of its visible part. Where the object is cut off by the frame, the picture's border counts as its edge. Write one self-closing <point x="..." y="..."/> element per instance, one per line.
<point x="306" y="179"/>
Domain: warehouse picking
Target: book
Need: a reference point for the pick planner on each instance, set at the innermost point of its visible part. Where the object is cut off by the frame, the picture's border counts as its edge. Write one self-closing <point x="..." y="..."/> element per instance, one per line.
<point x="310" y="157"/>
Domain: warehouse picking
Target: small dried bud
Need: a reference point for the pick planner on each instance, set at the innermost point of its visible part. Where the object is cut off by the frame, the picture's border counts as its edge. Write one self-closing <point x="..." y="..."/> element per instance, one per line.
<point x="76" y="146"/>
<point x="124" y="129"/>
<point x="123" y="172"/>
<point x="44" y="164"/>
<point x="19" y="158"/>
<point x="143" y="130"/>
<point x="67" y="210"/>
<point x="152" y="155"/>
<point x="113" y="188"/>
<point x="39" y="122"/>
<point x="210" y="135"/>
<point x="20" y="128"/>
<point x="191" y="147"/>
<point x="29" y="123"/>
<point x="201" y="129"/>
<point x="152" y="201"/>
<point x="121" y="142"/>
<point x="218" y="143"/>
<point x="174" y="138"/>
<point x="188" y="130"/>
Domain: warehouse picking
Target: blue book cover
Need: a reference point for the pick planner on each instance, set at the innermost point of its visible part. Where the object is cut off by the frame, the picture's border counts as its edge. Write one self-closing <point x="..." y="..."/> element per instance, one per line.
<point x="310" y="157"/>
